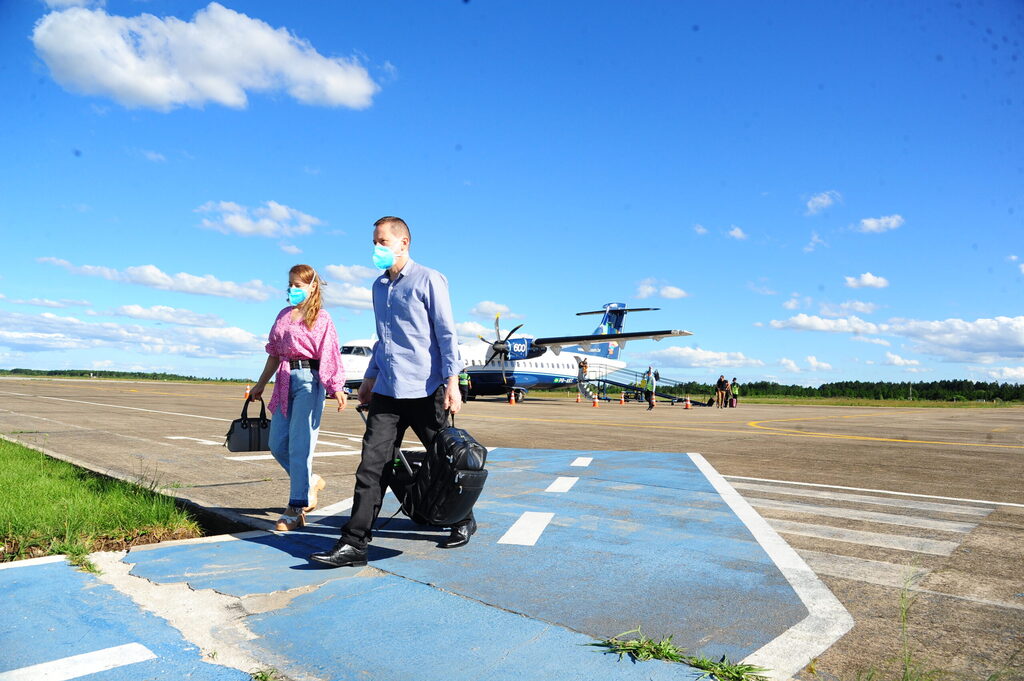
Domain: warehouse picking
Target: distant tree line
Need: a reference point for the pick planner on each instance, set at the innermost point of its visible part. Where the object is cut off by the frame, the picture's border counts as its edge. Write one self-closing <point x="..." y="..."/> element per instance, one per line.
<point x="138" y="375"/>
<point x="943" y="391"/>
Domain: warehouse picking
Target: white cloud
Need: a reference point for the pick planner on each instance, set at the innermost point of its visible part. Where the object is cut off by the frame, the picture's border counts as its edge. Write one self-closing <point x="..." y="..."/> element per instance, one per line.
<point x="687" y="357"/>
<point x="46" y="302"/>
<point x="290" y="249"/>
<point x="867" y="280"/>
<point x="488" y="308"/>
<point x="882" y="224"/>
<point x="272" y="219"/>
<point x="353" y="274"/>
<point x="672" y="292"/>
<point x="171" y="315"/>
<point x="469" y="331"/>
<point x="789" y="365"/>
<point x="795" y="301"/>
<point x="1021" y="266"/>
<point x="895" y="360"/>
<point x="815" y="365"/>
<point x="875" y="341"/>
<point x="761" y="289"/>
<point x="47" y="331"/>
<point x="737" y="233"/>
<point x="849" y="307"/>
<point x="1012" y="258"/>
<point x="814" y="243"/>
<point x="348" y="295"/>
<point x="219" y="56"/>
<point x="851" y="324"/>
<point x="820" y="202"/>
<point x="645" y="289"/>
<point x="154" y="156"/>
<point x="152" y="276"/>
<point x="649" y="287"/>
<point x="700" y="229"/>
<point x="983" y="340"/>
<point x="103" y="364"/>
<point x="1007" y="373"/>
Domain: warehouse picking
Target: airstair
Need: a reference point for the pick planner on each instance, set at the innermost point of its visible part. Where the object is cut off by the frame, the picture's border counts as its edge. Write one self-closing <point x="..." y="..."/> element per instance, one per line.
<point x="627" y="379"/>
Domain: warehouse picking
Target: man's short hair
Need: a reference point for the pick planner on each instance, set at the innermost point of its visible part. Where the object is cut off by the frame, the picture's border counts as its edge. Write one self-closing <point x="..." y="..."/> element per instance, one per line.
<point x="396" y="225"/>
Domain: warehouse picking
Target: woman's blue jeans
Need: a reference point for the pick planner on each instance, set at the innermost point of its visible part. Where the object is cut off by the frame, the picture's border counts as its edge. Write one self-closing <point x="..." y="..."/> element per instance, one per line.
<point x="293" y="437"/>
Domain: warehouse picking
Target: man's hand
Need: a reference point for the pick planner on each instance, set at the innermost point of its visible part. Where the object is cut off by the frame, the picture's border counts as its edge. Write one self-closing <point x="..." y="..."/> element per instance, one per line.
<point x="452" y="395"/>
<point x="366" y="390"/>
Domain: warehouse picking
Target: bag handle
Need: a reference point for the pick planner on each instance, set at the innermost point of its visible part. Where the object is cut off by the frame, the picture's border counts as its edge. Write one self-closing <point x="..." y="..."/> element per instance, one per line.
<point x="263" y="411"/>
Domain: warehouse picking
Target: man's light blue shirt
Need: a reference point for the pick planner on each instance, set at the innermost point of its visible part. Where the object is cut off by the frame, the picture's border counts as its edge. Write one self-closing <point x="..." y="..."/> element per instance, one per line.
<point x="417" y="347"/>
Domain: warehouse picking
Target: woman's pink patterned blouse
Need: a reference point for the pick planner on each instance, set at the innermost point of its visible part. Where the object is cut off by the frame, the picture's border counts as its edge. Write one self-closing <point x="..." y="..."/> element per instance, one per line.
<point x="292" y="339"/>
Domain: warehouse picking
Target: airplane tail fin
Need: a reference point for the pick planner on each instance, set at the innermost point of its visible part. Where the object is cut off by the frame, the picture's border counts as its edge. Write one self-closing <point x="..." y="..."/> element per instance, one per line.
<point x="612" y="321"/>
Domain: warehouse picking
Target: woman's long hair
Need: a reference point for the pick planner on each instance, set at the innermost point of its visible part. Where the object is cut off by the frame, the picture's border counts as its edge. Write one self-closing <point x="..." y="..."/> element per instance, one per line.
<point x="307" y="275"/>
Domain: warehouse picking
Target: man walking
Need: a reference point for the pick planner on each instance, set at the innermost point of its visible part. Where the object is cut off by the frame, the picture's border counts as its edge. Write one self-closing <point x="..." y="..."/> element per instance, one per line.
<point x="411" y="381"/>
<point x="465" y="383"/>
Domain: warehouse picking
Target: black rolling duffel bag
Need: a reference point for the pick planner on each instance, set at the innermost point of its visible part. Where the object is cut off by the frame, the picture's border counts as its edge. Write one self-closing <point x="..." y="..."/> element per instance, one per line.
<point x="439" y="486"/>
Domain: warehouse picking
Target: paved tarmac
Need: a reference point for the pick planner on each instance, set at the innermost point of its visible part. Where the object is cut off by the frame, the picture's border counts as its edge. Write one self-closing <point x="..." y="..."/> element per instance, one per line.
<point x="868" y="498"/>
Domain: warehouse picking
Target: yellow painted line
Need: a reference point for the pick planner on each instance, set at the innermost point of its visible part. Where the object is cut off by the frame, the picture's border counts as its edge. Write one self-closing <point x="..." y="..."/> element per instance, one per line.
<point x="761" y="430"/>
<point x="835" y="436"/>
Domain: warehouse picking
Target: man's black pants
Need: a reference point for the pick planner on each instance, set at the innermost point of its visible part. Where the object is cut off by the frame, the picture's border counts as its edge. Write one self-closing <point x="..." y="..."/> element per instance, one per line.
<point x="386" y="423"/>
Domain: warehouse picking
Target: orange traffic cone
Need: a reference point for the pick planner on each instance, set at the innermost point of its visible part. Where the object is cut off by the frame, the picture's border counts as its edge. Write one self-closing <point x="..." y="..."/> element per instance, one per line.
<point x="577" y="398"/>
<point x="595" y="401"/>
<point x="622" y="399"/>
<point x="512" y="398"/>
<point x="686" y="404"/>
<point x="247" y="386"/>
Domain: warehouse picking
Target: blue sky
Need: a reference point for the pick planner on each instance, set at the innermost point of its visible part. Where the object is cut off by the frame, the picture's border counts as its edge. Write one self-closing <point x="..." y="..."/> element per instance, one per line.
<point x="818" y="191"/>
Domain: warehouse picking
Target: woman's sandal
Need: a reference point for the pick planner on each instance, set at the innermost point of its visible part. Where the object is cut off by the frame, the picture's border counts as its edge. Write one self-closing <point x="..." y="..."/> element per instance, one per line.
<point x="292" y="519"/>
<point x="314" y="492"/>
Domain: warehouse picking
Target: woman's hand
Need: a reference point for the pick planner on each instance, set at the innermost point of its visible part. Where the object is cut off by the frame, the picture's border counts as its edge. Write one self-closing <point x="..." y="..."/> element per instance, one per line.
<point x="256" y="392"/>
<point x="342" y="399"/>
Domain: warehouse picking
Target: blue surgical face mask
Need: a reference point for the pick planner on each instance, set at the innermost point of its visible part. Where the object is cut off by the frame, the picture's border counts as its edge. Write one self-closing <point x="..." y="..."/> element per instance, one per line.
<point x="296" y="296"/>
<point x="383" y="257"/>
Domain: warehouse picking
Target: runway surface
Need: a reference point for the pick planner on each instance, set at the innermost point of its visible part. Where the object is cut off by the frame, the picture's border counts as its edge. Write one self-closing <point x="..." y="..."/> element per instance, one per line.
<point x="870" y="498"/>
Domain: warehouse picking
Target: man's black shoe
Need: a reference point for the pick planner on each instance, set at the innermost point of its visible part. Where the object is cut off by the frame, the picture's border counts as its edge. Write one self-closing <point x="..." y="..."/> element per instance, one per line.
<point x="342" y="555"/>
<point x="460" y="535"/>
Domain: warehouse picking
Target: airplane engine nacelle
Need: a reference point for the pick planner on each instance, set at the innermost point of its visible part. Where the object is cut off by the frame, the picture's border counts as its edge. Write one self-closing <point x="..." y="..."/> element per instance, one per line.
<point x="523" y="348"/>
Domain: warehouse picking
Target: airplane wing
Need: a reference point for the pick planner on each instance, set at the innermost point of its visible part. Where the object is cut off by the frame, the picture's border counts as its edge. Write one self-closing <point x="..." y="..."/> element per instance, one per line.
<point x="556" y="343"/>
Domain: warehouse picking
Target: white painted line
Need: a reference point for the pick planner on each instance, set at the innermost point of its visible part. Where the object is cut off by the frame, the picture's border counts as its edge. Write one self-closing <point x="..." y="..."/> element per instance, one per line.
<point x="527" y="530"/>
<point x="935" y="547"/>
<point x="333" y="509"/>
<point x="862" y="569"/>
<point x="827" y="620"/>
<point x="215" y="539"/>
<point x="879" y="491"/>
<point x="864" y="499"/>
<point x="561" y="484"/>
<point x="582" y="461"/>
<point x="267" y="457"/>
<point x="194" y="439"/>
<point x="77" y="666"/>
<point x="29" y="562"/>
<point x="858" y="514"/>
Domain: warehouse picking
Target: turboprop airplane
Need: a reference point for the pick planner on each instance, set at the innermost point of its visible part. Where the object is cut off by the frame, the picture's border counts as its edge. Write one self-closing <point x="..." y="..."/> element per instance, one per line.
<point x="513" y="366"/>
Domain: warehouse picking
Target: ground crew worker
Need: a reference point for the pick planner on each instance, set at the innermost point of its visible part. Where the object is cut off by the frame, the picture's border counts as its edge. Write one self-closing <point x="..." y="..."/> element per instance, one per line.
<point x="465" y="383"/>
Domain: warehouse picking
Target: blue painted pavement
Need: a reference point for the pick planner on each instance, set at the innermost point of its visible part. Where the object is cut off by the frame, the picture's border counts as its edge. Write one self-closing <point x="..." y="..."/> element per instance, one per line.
<point x="640" y="539"/>
<point x="54" y="611"/>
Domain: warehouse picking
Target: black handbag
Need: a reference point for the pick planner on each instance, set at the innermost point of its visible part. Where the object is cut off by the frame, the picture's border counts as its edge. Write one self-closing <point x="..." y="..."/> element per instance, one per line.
<point x="449" y="481"/>
<point x="249" y="433"/>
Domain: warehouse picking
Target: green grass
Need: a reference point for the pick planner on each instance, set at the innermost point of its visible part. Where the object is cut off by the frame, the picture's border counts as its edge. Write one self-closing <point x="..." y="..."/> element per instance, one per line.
<point x="51" y="507"/>
<point x="643" y="648"/>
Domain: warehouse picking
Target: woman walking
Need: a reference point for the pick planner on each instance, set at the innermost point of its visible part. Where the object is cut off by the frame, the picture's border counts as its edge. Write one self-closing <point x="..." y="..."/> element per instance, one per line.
<point x="303" y="353"/>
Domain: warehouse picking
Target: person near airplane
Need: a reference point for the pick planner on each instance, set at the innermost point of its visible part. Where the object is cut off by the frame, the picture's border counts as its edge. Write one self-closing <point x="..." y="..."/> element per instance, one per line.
<point x="302" y="351"/>
<point x="412" y="381"/>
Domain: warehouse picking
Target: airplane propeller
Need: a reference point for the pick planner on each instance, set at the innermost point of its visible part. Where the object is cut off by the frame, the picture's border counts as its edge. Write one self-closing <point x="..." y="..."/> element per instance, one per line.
<point x="499" y="348"/>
